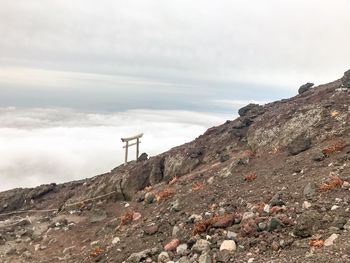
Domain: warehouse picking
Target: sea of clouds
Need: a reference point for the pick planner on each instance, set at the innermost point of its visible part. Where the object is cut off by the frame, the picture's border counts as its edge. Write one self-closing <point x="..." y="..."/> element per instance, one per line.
<point x="45" y="145"/>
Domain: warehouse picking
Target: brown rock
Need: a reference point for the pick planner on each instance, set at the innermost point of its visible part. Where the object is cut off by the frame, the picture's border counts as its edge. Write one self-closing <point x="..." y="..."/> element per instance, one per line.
<point x="151" y="230"/>
<point x="172" y="245"/>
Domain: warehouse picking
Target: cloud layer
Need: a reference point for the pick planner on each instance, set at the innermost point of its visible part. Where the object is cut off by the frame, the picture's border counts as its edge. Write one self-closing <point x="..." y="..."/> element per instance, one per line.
<point x="56" y="145"/>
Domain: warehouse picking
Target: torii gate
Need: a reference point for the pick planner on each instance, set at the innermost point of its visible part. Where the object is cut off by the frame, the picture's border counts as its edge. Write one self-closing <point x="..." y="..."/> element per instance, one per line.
<point x="127" y="145"/>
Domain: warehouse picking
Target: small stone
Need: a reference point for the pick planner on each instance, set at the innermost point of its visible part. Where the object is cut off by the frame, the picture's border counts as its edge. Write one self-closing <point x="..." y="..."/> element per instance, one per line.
<point x="251" y="260"/>
<point x="229" y="245"/>
<point x="267" y="208"/>
<point x="334" y="207"/>
<point x="224" y="222"/>
<point x="210" y="180"/>
<point x="163" y="257"/>
<point x="184" y="260"/>
<point x="329" y="241"/>
<point x="310" y="189"/>
<point x="201" y="245"/>
<point x="262" y="226"/>
<point x="204" y="258"/>
<point x="248" y="215"/>
<point x="151" y="230"/>
<point x="182" y="250"/>
<point x="306" y="205"/>
<point x="347" y="226"/>
<point x="274" y="224"/>
<point x="175" y="206"/>
<point x="115" y="240"/>
<point x="195" y="218"/>
<point x="11" y="251"/>
<point x="231" y="235"/>
<point x="275" y="246"/>
<point x="27" y="255"/>
<point x="277" y="200"/>
<point x="172" y="245"/>
<point x="150" y="197"/>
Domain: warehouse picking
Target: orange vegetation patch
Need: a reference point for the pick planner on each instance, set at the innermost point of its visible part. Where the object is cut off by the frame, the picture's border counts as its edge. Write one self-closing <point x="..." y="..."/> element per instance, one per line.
<point x="250" y="177"/>
<point x="332" y="183"/>
<point x="126" y="218"/>
<point x="335" y="147"/>
<point x="96" y="252"/>
<point x="318" y="243"/>
<point x="164" y="194"/>
<point x="197" y="186"/>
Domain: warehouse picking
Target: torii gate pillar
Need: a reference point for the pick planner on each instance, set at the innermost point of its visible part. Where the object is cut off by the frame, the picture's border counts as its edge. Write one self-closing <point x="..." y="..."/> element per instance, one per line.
<point x="127" y="145"/>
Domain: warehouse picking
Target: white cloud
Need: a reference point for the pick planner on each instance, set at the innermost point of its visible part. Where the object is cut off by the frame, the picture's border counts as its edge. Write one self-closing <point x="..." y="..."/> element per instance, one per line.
<point x="56" y="145"/>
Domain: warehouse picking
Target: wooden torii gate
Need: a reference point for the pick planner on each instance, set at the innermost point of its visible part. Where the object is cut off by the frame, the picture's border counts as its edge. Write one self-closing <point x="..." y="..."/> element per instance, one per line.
<point x="127" y="145"/>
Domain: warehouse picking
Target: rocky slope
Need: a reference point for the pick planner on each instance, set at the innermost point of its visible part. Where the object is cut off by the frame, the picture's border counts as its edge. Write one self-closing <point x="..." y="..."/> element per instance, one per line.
<point x="271" y="186"/>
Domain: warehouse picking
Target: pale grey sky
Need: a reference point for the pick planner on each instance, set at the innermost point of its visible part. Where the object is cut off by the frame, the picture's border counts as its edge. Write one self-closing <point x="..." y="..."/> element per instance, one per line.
<point x="166" y="54"/>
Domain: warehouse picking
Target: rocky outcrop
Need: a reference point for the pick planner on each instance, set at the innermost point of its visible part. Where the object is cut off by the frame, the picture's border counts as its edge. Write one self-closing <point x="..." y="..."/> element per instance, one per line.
<point x="305" y="87"/>
<point x="346" y="80"/>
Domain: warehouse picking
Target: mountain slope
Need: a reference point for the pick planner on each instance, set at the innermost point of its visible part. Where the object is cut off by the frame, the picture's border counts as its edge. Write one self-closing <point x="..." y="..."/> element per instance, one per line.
<point x="271" y="186"/>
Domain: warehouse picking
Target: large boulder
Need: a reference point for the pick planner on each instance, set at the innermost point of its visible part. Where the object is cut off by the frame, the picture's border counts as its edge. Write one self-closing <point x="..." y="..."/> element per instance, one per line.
<point x="252" y="110"/>
<point x="299" y="144"/>
<point x="346" y="80"/>
<point x="305" y="87"/>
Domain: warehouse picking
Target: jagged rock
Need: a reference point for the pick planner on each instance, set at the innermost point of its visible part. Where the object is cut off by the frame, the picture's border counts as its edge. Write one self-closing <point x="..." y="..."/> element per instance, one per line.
<point x="299" y="144"/>
<point x="40" y="191"/>
<point x="137" y="257"/>
<point x="204" y="258"/>
<point x="143" y="157"/>
<point x="251" y="109"/>
<point x="182" y="250"/>
<point x="329" y="241"/>
<point x="276" y="200"/>
<point x="305" y="87"/>
<point x="346" y="80"/>
<point x="201" y="245"/>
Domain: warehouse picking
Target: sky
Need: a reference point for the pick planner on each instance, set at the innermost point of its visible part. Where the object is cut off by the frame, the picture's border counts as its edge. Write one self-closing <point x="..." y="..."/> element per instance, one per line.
<point x="169" y="61"/>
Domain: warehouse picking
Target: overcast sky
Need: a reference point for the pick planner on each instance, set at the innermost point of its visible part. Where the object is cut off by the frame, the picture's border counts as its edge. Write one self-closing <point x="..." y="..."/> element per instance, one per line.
<point x="75" y="76"/>
<point x="162" y="54"/>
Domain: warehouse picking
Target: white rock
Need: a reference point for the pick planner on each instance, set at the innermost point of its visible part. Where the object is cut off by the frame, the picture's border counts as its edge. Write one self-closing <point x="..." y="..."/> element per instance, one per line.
<point x="267" y="208"/>
<point x="250" y="260"/>
<point x="329" y="241"/>
<point x="115" y="240"/>
<point x="335" y="207"/>
<point x="182" y="249"/>
<point x="247" y="215"/>
<point x="36" y="247"/>
<point x="229" y="245"/>
<point x="163" y="257"/>
<point x="210" y="180"/>
<point x="306" y="205"/>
